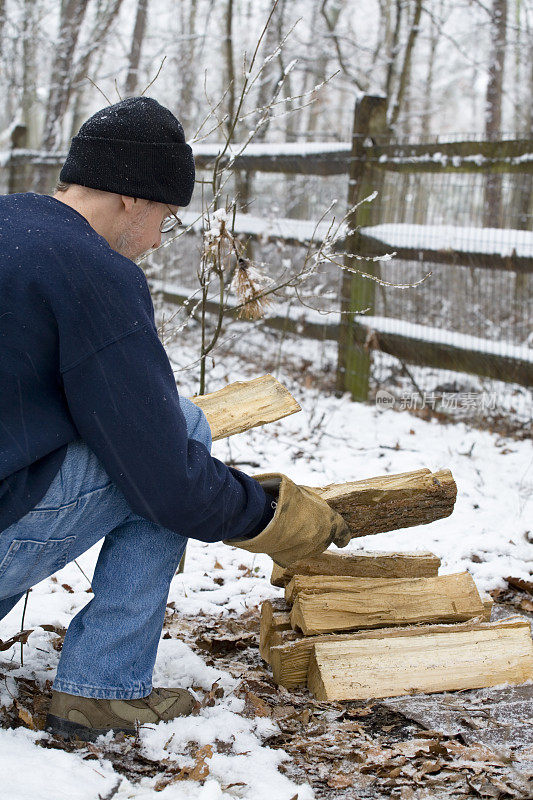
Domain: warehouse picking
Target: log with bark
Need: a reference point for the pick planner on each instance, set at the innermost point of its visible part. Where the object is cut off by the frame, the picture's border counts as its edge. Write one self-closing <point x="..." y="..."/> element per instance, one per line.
<point x="422" y="660"/>
<point x="363" y="564"/>
<point x="389" y="502"/>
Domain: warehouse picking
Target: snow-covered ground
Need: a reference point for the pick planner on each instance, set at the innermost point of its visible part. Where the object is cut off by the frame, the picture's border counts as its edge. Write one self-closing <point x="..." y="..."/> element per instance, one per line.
<point x="331" y="440"/>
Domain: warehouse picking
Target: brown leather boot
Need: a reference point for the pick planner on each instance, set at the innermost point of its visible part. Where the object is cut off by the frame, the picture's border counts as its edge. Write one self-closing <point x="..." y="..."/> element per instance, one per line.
<point x="303" y="524"/>
<point x="86" y="718"/>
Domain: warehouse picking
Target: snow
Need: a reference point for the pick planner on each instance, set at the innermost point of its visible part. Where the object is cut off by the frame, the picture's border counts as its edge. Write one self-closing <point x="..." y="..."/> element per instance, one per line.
<point x="282" y="228"/>
<point x="491" y="241"/>
<point x="502" y="241"/>
<point x="30" y="772"/>
<point x="462" y="341"/>
<point x="208" y="149"/>
<point x="256" y="767"/>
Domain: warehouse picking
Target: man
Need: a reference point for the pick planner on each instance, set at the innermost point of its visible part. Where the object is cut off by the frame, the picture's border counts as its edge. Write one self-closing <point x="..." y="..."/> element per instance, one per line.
<point x="95" y="440"/>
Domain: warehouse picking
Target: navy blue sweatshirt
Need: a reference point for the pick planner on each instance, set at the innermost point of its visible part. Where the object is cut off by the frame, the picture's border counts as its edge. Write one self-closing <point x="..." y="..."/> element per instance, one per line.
<point x="80" y="357"/>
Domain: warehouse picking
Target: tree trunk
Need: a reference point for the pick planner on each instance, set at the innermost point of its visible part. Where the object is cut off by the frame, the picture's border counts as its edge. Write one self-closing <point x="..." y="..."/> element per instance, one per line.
<point x="132" y="78"/>
<point x="29" y="103"/>
<point x="404" y="77"/>
<point x="72" y="14"/>
<point x="492" y="212"/>
<point x="229" y="66"/>
<point x="2" y="22"/>
<point x="427" y="101"/>
<point x="71" y="18"/>
<point x="94" y="47"/>
<point x="188" y="52"/>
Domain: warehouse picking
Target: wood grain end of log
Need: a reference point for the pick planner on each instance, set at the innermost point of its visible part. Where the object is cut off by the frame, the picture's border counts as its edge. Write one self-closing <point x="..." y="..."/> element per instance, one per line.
<point x="297" y="619"/>
<point x="315" y="684"/>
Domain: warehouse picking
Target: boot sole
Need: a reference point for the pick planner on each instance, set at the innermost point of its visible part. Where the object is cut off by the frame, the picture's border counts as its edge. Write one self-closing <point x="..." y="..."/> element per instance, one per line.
<point x="73" y="730"/>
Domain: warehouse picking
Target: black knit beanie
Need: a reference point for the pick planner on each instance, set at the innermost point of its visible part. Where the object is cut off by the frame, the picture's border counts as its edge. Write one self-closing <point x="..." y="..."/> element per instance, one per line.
<point x="137" y="148"/>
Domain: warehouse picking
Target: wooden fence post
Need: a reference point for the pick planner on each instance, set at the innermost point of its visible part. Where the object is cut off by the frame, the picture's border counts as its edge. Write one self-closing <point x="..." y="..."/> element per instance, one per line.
<point x="357" y="293"/>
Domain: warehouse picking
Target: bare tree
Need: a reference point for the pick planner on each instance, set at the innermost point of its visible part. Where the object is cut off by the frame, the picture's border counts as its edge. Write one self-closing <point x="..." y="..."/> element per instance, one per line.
<point x="139" y="29"/>
<point x="29" y="71"/>
<point x="433" y="41"/>
<point x="404" y="73"/>
<point x="71" y="18"/>
<point x="69" y="69"/>
<point x="100" y="32"/>
<point x="229" y="68"/>
<point x="2" y="23"/>
<point x="189" y="50"/>
<point x="492" y="211"/>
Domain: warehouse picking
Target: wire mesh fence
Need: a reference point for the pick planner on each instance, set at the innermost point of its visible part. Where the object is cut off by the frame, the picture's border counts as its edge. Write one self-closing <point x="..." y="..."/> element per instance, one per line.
<point x="472" y="230"/>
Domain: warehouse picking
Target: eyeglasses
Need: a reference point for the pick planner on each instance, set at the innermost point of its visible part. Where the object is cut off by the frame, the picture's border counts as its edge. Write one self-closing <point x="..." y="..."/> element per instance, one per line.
<point x="169" y="223"/>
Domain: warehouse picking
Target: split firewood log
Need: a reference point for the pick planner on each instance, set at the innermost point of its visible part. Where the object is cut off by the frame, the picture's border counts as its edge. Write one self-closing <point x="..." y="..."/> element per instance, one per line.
<point x="423" y="660"/>
<point x="324" y="603"/>
<point x="289" y="660"/>
<point x="246" y="404"/>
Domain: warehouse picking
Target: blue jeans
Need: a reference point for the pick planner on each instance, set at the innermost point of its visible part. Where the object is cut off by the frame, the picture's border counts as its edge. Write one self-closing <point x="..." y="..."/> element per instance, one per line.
<point x="111" y="644"/>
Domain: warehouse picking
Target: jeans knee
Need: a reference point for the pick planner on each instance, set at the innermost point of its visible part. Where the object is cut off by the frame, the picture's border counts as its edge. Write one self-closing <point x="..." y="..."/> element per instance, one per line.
<point x="197" y="424"/>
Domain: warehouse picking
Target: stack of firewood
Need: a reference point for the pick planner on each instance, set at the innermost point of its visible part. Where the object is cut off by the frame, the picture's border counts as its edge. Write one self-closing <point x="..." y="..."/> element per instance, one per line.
<point x="373" y="624"/>
<point x="369" y="625"/>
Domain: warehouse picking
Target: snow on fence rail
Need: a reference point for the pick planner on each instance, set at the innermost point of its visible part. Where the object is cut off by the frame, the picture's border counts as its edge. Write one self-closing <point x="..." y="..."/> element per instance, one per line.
<point x="487" y="248"/>
<point x="333" y="158"/>
<point x="493" y="248"/>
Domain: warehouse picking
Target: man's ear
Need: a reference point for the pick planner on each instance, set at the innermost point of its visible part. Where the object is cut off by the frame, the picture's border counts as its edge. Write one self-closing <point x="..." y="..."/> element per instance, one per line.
<point x="128" y="202"/>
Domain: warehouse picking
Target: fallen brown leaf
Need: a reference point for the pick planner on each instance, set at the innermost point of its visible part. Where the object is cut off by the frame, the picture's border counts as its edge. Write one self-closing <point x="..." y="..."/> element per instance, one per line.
<point x="520" y="583"/>
<point x="197" y="772"/>
<point x="430" y="767"/>
<point x="255" y="707"/>
<point x="215" y="693"/>
<point x="225" y="643"/>
<point x="340" y="780"/>
<point x="19" y="637"/>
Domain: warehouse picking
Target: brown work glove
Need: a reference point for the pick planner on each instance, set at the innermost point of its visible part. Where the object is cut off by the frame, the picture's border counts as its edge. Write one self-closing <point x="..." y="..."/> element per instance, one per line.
<point x="303" y="524"/>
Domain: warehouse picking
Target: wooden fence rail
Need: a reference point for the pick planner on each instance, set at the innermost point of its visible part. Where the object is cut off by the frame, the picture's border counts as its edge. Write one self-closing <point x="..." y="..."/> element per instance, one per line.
<point x="515" y="367"/>
<point x="364" y="161"/>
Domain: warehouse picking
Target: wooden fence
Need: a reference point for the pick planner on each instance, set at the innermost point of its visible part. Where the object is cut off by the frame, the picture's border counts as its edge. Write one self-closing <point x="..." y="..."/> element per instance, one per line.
<point x="364" y="162"/>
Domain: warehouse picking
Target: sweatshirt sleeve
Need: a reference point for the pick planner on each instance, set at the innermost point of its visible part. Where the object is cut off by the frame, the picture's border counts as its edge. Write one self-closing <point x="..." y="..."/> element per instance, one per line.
<point x="124" y="402"/>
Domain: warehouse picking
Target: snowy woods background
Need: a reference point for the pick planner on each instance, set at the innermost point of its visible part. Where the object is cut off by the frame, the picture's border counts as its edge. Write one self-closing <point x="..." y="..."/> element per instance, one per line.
<point x="445" y="66"/>
<point x="286" y="77"/>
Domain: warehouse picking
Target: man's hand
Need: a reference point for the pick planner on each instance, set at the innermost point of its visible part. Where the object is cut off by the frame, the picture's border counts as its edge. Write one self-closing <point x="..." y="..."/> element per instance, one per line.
<point x="303" y="524"/>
